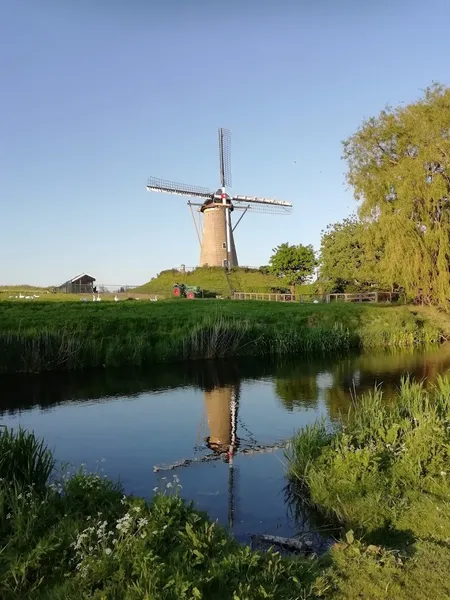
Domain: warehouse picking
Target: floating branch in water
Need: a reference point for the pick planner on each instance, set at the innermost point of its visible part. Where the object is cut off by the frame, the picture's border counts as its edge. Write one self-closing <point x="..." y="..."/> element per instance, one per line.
<point x="290" y="543"/>
<point x="253" y="450"/>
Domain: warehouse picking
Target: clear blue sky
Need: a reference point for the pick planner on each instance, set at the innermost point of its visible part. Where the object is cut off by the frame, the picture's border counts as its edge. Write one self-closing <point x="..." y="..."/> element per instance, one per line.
<point x="96" y="95"/>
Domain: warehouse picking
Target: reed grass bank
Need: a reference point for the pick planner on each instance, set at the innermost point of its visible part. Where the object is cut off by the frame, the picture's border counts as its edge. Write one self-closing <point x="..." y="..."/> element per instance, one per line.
<point x="383" y="477"/>
<point x="45" y="336"/>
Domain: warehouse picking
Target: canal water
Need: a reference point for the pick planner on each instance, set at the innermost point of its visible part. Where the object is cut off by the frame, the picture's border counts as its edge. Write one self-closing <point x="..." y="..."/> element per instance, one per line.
<point x="125" y="423"/>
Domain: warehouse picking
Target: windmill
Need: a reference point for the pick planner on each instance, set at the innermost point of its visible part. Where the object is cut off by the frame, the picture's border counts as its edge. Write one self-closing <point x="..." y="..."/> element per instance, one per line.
<point x="217" y="247"/>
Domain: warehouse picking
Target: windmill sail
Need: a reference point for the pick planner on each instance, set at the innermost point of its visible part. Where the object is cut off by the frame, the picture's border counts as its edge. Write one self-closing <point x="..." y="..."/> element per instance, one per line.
<point x="262" y="200"/>
<point x="155" y="184"/>
<point x="225" y="157"/>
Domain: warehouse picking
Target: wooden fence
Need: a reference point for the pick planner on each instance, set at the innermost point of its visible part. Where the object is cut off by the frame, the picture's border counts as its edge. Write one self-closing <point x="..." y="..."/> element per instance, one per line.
<point x="389" y="297"/>
<point x="302" y="298"/>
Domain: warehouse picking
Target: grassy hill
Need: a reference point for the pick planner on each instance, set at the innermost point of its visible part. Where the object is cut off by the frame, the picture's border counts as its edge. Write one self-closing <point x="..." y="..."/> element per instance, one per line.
<point x="214" y="279"/>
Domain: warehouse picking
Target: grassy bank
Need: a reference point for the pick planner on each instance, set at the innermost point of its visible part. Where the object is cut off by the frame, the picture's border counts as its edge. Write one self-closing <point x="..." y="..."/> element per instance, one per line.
<point x="80" y="537"/>
<point x="384" y="477"/>
<point x="45" y="336"/>
<point x="214" y="279"/>
<point x="381" y="479"/>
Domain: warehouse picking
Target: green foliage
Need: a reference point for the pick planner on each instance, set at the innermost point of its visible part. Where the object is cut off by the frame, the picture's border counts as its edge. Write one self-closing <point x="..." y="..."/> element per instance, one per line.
<point x="399" y="167"/>
<point x="80" y="538"/>
<point x="293" y="263"/>
<point x="350" y="256"/>
<point x="305" y="448"/>
<point x="50" y="336"/>
<point x="383" y="475"/>
<point x="365" y="475"/>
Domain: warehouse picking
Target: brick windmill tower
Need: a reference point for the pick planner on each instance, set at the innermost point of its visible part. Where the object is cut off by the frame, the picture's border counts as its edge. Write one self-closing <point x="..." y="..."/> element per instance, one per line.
<point x="217" y="248"/>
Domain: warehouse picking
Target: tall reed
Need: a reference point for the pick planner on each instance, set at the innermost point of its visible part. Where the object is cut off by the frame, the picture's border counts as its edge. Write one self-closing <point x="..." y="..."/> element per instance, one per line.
<point x="24" y="459"/>
<point x="92" y="340"/>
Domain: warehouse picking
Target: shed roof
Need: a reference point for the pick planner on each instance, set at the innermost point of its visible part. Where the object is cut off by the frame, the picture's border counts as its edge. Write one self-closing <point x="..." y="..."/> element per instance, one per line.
<point x="80" y="276"/>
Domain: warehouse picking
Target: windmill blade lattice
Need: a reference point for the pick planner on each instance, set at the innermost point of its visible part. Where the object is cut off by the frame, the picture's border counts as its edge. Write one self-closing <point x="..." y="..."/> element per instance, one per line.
<point x="225" y="157"/>
<point x="155" y="184"/>
<point x="263" y="208"/>
<point x="261" y="200"/>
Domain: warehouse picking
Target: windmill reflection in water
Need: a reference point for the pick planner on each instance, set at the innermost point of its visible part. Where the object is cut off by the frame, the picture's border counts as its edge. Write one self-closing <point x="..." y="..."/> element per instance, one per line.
<point x="222" y="404"/>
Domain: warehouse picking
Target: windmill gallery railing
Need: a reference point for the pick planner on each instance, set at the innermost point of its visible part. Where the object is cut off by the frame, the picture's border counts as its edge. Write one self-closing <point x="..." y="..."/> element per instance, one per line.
<point x="378" y="297"/>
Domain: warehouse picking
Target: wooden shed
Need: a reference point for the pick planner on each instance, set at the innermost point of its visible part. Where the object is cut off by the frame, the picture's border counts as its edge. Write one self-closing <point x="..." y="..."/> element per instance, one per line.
<point x="81" y="284"/>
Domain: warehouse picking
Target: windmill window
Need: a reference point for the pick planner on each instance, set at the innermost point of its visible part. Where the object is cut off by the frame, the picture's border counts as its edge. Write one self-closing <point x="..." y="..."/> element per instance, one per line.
<point x="224" y="245"/>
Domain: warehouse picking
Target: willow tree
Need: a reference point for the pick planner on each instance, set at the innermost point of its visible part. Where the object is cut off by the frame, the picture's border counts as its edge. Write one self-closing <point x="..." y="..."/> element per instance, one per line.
<point x="399" y="167"/>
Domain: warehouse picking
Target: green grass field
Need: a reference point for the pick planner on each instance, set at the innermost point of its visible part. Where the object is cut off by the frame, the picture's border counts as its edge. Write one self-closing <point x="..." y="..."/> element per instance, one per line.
<point x="37" y="336"/>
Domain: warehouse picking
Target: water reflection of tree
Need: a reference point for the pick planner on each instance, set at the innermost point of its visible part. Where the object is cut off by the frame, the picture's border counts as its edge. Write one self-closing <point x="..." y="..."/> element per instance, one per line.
<point x="296" y="392"/>
<point x="20" y="392"/>
<point x="297" y="383"/>
<point x="354" y="376"/>
<point x="295" y="379"/>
